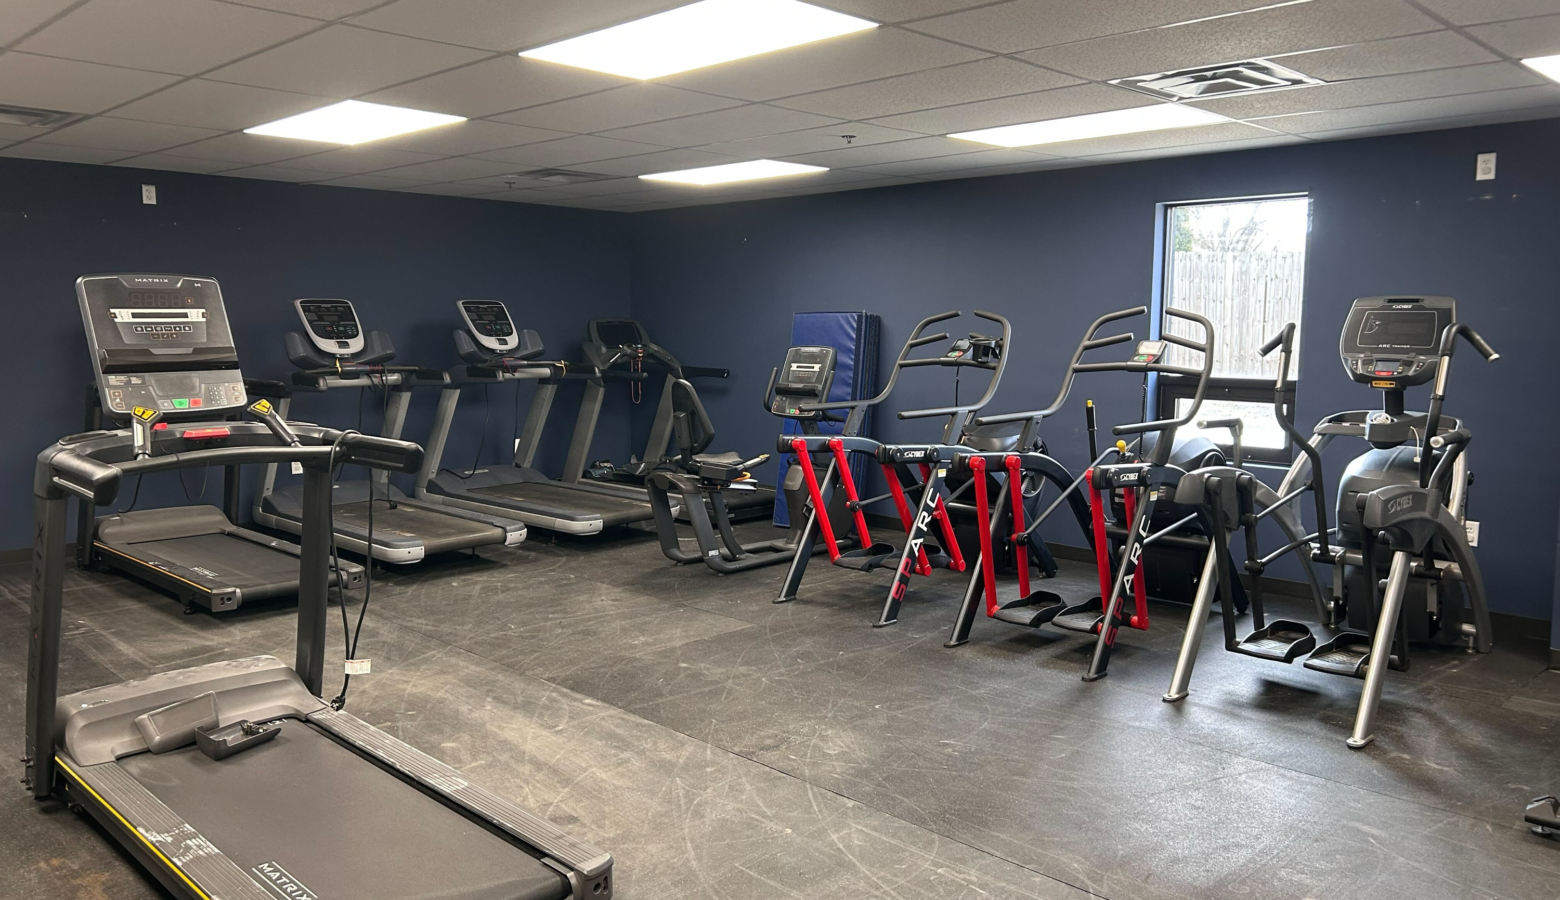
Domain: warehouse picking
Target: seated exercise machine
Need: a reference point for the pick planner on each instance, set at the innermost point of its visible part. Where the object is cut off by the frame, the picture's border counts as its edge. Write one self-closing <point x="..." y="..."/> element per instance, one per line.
<point x="234" y="779"/>
<point x="1400" y="513"/>
<point x="703" y="480"/>
<point x="174" y="327"/>
<point x="335" y="353"/>
<point x="917" y="470"/>
<point x="496" y="352"/>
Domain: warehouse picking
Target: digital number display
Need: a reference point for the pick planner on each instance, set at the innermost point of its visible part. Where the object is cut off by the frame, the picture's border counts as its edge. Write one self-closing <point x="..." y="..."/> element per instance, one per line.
<point x="159" y="300"/>
<point x="489" y="319"/>
<point x="1409" y="328"/>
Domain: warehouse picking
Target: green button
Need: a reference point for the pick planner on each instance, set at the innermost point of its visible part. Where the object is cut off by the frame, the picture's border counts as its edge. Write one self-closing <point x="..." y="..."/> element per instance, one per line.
<point x="181" y="403"/>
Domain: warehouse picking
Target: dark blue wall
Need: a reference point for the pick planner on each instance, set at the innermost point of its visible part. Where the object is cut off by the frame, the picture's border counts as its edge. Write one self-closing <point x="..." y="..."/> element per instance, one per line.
<point x="403" y="259"/>
<point x="1052" y="250"/>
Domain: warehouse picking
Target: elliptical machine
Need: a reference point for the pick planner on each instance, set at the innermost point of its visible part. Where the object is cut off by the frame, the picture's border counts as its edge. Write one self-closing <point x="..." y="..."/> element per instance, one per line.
<point x="1400" y="512"/>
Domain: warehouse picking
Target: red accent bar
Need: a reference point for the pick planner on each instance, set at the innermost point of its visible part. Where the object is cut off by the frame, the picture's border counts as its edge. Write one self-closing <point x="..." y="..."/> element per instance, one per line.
<point x="922" y="565"/>
<point x="1139" y="617"/>
<point x="804" y="459"/>
<point x="988" y="569"/>
<point x="950" y="543"/>
<point x="160" y="426"/>
<point x="205" y="434"/>
<point x="848" y="481"/>
<point x="1020" y="552"/>
<point x="1101" y="542"/>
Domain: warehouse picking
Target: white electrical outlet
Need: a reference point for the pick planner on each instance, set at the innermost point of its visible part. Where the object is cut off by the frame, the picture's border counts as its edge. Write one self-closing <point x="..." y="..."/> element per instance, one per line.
<point x="297" y="468"/>
<point x="149" y="194"/>
<point x="1472" y="528"/>
<point x="1484" y="169"/>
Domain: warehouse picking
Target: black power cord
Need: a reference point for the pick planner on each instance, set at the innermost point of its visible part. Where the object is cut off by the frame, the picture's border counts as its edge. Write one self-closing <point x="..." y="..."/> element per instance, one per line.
<point x="487" y="410"/>
<point x="350" y="634"/>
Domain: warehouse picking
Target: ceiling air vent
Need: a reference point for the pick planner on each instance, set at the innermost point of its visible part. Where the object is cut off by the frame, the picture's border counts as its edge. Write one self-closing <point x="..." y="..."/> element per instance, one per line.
<point x="556" y="176"/>
<point x="1229" y="79"/>
<point x="35" y="118"/>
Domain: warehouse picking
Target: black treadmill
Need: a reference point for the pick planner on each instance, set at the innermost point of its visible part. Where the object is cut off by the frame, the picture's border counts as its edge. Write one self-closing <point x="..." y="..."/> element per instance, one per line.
<point x="233" y="779"/>
<point x="496" y="352"/>
<point x="335" y="353"/>
<point x="162" y="341"/>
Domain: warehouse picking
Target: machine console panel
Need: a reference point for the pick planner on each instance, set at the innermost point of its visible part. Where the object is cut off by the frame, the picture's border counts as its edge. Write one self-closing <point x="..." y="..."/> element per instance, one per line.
<point x="617" y="334"/>
<point x="804" y="378"/>
<point x="160" y="342"/>
<point x="489" y="322"/>
<point x="1393" y="342"/>
<point x="332" y="325"/>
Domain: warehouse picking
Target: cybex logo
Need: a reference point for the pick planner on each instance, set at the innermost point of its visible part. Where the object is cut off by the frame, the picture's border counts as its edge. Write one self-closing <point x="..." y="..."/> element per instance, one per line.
<point x="282" y="882"/>
<point x="1400" y="504"/>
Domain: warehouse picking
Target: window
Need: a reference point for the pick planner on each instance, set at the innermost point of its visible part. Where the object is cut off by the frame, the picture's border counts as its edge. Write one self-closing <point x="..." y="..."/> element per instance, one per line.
<point x="1241" y="265"/>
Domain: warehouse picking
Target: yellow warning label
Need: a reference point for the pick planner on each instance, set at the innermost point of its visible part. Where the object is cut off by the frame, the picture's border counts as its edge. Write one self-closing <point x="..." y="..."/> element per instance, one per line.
<point x="260" y="407"/>
<point x="1383" y="384"/>
<point x="144" y="414"/>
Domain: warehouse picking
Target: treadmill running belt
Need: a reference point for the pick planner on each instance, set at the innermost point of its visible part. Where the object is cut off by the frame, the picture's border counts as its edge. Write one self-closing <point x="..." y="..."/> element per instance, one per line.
<point x="305" y="808"/>
<point x="437" y="532"/>
<point x="255" y="569"/>
<point x="569" y="503"/>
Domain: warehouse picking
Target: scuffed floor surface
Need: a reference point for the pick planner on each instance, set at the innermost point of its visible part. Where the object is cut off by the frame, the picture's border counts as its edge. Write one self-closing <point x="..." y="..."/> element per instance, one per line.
<point x="723" y="747"/>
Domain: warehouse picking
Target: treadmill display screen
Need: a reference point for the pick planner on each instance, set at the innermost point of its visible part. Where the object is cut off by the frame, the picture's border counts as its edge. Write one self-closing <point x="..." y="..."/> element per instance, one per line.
<point x="488" y="318"/>
<point x="1405" y="329"/>
<point x="333" y="320"/>
<point x="620" y="333"/>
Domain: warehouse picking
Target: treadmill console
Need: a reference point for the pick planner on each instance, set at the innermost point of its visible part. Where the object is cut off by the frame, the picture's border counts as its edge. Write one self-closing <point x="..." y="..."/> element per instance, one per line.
<point x="804" y="378"/>
<point x="332" y="325"/>
<point x="489" y="322"/>
<point x="613" y="335"/>
<point x="161" y="342"/>
<point x="1392" y="342"/>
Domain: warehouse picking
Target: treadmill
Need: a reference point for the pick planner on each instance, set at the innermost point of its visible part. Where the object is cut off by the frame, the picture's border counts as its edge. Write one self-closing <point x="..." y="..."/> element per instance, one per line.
<point x="162" y="341"/>
<point x="233" y="779"/>
<point x="495" y="352"/>
<point x="619" y="348"/>
<point x="333" y="353"/>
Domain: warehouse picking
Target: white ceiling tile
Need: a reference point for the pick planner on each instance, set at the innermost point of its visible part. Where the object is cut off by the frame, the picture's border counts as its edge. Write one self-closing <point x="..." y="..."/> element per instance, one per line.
<point x="570" y="151"/>
<point x="496" y="85"/>
<point x="721" y="125"/>
<point x="1044" y="165"/>
<point x="175" y="163"/>
<point x="632" y="104"/>
<point x="1283" y="29"/>
<point x="605" y="203"/>
<point x="212" y="104"/>
<point x="277" y="173"/>
<point x="1272" y="140"/>
<point x="1386" y="89"/>
<point x="21" y="132"/>
<point x="811" y="140"/>
<point x="866" y="183"/>
<point x="247" y="149"/>
<point x="1393" y="56"/>
<point x="125" y="134"/>
<point x="980" y="80"/>
<point x="62" y="153"/>
<point x="597" y="188"/>
<point x="448" y="189"/>
<point x="137" y="34"/>
<point x="455" y="168"/>
<point x="877" y="154"/>
<point x="342" y="61"/>
<point x="1067" y="101"/>
<point x="837" y="179"/>
<point x="47" y="83"/>
<point x="315" y="9"/>
<point x="1027" y="24"/>
<point x="464" y="138"/>
<point x="1155" y="140"/>
<point x="978" y="159"/>
<point x="865" y="55"/>
<point x="522" y="196"/>
<point x="360" y="159"/>
<point x="664" y="161"/>
<point x="1472" y="12"/>
<point x="898" y="10"/>
<point x="22" y="16"/>
<point x="1417" y="126"/>
<point x="375" y="182"/>
<point x="506" y="24"/>
<point x="1522" y="38"/>
<point x="1415" y="110"/>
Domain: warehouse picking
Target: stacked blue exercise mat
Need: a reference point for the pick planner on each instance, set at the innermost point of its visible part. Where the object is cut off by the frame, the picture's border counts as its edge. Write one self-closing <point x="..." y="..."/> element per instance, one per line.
<point x="854" y="337"/>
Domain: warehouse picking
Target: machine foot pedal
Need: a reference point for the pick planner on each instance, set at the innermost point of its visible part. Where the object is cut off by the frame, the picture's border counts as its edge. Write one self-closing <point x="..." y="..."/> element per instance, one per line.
<point x="1281" y="641"/>
<point x="1084" y="617"/>
<point x="867" y="558"/>
<point x="1543" y="814"/>
<point x="1347" y="654"/>
<point x="1034" y="610"/>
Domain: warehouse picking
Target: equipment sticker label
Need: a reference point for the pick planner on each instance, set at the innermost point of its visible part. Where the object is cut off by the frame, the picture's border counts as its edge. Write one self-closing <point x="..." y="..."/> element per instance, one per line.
<point x="281" y="881"/>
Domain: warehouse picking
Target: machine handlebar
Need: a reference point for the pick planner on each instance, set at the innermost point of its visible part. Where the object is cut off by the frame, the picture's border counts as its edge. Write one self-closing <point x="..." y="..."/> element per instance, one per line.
<point x="1438" y="393"/>
<point x="1285" y="339"/>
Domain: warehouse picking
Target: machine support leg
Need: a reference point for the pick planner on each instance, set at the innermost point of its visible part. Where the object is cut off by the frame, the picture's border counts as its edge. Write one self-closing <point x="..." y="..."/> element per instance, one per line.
<point x="1381" y="650"/>
<point x="915" y="537"/>
<point x="314" y="578"/>
<point x="43" y="641"/>
<point x="810" y="528"/>
<point x="1180" y="682"/>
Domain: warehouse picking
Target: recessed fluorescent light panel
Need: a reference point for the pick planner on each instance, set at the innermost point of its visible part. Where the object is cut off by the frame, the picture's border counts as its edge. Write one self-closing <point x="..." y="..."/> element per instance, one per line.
<point x="698" y="35"/>
<point x="353" y="122"/>
<point x="1547" y="66"/>
<point x="1159" y="117"/>
<point x="742" y="171"/>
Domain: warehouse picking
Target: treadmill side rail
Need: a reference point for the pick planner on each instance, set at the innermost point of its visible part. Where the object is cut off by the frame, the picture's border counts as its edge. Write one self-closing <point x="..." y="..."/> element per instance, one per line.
<point x="589" y="867"/>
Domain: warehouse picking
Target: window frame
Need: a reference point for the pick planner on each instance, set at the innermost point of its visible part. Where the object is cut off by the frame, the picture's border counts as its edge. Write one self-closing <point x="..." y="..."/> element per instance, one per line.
<point x="1165" y="390"/>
